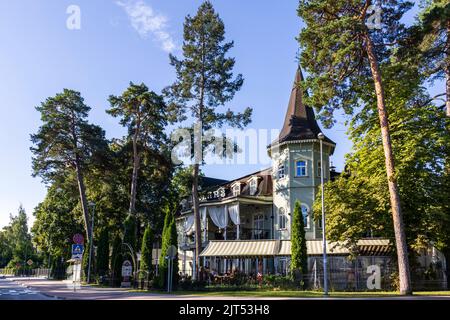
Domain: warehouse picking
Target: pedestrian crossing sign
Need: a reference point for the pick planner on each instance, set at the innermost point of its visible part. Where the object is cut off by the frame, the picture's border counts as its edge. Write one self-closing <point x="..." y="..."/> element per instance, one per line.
<point x="77" y="251"/>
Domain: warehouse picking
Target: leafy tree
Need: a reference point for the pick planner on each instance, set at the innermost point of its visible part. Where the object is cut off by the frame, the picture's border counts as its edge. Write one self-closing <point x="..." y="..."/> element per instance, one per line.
<point x="427" y="47"/>
<point x="5" y="249"/>
<point x="340" y="50"/>
<point x="146" y="250"/>
<point x="15" y="241"/>
<point x="67" y="141"/>
<point x="143" y="112"/>
<point x="57" y="219"/>
<point x="299" y="255"/>
<point x="204" y="82"/>
<point x="103" y="253"/>
<point x="357" y="202"/>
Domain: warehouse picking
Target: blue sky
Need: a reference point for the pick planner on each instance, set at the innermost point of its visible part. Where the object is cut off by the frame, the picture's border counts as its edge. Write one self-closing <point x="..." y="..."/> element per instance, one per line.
<point x="40" y="56"/>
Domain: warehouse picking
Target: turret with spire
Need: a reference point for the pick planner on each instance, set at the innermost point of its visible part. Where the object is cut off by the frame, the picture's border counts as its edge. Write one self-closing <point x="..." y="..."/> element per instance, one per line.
<point x="296" y="166"/>
<point x="299" y="122"/>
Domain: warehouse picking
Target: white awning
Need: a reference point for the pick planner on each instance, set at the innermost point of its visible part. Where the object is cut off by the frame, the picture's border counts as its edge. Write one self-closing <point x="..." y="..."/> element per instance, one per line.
<point x="258" y="248"/>
<point x="239" y="248"/>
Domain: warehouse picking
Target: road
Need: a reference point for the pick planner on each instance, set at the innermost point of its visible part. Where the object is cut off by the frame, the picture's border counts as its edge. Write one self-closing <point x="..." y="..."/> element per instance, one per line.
<point x="10" y="290"/>
<point x="43" y="289"/>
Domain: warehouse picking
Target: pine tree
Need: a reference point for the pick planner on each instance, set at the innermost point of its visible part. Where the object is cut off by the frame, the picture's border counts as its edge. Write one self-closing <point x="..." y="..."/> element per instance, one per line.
<point x="299" y="255"/>
<point x="66" y="141"/>
<point x="204" y="82"/>
<point x="143" y="112"/>
<point x="340" y="50"/>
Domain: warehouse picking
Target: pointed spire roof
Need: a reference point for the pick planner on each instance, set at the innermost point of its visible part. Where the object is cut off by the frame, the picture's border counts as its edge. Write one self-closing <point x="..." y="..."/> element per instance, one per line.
<point x="300" y="122"/>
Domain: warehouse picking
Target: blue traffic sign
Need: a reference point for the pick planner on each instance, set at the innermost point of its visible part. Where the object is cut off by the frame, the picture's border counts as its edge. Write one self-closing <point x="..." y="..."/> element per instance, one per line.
<point x="77" y="251"/>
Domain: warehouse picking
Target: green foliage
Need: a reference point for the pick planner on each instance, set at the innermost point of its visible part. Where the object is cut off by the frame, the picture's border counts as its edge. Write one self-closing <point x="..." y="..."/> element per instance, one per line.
<point x="425" y="43"/>
<point x="146" y="250"/>
<point x="143" y="112"/>
<point x="334" y="54"/>
<point x="169" y="238"/>
<point x="103" y="253"/>
<point x="204" y="75"/>
<point x="65" y="136"/>
<point x="15" y="241"/>
<point x="357" y="203"/>
<point x="299" y="256"/>
<point x="117" y="259"/>
<point x="129" y="234"/>
<point x="57" y="219"/>
<point x="66" y="142"/>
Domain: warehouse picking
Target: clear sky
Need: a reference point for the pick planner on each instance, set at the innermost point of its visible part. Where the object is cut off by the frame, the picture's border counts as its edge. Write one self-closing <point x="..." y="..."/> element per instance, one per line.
<point x="122" y="41"/>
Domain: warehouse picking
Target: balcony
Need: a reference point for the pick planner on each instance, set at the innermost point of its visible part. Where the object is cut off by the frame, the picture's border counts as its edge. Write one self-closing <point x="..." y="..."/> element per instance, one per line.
<point x="244" y="234"/>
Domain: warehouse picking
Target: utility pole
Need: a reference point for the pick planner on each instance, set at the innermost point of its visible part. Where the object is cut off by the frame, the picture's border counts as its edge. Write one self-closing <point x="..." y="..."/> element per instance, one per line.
<point x="321" y="137"/>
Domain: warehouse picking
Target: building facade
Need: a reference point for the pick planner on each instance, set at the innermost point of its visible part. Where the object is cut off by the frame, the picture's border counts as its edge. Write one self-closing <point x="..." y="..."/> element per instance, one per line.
<point x="246" y="222"/>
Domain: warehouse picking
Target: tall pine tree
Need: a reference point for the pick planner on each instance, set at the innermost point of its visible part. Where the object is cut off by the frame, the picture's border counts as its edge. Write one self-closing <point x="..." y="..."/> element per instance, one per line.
<point x="66" y="141"/>
<point x="204" y="82"/>
<point x="341" y="48"/>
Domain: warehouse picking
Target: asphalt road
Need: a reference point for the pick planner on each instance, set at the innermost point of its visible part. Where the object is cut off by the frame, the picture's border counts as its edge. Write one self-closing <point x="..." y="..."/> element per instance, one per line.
<point x="10" y="290"/>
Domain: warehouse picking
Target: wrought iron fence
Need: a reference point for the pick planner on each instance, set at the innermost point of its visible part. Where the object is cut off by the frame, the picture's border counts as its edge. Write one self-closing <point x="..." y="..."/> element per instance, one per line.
<point x="31" y="273"/>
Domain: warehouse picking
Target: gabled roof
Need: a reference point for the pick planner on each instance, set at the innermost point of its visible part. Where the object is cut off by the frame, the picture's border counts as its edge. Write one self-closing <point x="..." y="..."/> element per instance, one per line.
<point x="300" y="122"/>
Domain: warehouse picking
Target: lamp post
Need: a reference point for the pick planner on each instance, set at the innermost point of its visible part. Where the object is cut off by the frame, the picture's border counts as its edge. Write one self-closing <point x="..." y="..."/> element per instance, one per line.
<point x="321" y="137"/>
<point x="91" y="242"/>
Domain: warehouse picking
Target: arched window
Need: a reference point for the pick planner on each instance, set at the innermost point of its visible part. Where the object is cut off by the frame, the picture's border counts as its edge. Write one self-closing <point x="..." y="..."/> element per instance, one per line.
<point x="282" y="219"/>
<point x="305" y="214"/>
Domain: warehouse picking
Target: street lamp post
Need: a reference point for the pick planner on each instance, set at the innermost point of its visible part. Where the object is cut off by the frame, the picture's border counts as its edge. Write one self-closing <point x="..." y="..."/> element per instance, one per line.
<point x="91" y="242"/>
<point x="321" y="137"/>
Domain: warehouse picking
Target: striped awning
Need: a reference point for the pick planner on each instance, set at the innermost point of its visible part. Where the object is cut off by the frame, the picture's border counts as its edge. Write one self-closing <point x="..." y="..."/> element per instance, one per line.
<point x="240" y="248"/>
<point x="259" y="248"/>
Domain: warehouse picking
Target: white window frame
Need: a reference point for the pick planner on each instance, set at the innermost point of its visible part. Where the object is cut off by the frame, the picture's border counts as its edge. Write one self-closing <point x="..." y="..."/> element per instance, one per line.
<point x="282" y="216"/>
<point x="282" y="168"/>
<point x="236" y="189"/>
<point x="297" y="167"/>
<point x="253" y="186"/>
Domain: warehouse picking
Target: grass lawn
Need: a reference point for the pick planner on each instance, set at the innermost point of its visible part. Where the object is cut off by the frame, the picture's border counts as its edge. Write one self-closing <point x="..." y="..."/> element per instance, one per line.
<point x="300" y="294"/>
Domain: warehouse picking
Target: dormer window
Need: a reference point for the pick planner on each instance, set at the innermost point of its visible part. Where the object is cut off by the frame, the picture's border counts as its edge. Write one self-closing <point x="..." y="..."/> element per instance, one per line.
<point x="236" y="189"/>
<point x="221" y="192"/>
<point x="253" y="185"/>
<point x="300" y="168"/>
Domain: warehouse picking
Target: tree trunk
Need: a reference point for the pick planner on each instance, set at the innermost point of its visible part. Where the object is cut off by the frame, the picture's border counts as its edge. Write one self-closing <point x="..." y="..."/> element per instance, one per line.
<point x="447" y="71"/>
<point x="197" y="225"/>
<point x="84" y="204"/>
<point x="134" y="175"/>
<point x="400" y="237"/>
